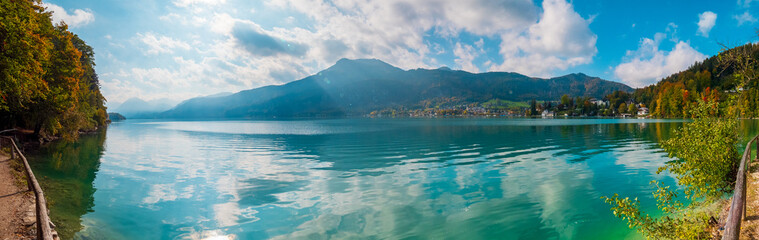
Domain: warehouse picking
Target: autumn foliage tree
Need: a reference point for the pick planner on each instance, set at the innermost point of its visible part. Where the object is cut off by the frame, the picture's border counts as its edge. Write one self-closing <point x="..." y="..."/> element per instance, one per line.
<point x="47" y="77"/>
<point x="730" y="74"/>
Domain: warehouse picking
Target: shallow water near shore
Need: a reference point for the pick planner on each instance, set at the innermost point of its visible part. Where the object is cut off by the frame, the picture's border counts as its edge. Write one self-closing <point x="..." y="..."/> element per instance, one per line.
<point x="342" y="178"/>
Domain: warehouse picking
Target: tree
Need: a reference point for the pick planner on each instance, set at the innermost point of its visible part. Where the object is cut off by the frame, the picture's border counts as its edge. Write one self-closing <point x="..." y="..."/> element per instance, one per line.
<point x="705" y="166"/>
<point x="632" y="109"/>
<point x="23" y="56"/>
<point x="566" y="101"/>
<point x="47" y="77"/>
<point x="741" y="62"/>
<point x="622" y="108"/>
<point x="62" y="77"/>
<point x="617" y="97"/>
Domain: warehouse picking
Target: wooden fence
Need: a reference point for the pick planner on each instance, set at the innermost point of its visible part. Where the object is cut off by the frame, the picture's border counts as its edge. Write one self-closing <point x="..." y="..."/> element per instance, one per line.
<point x="44" y="225"/>
<point x="738" y="206"/>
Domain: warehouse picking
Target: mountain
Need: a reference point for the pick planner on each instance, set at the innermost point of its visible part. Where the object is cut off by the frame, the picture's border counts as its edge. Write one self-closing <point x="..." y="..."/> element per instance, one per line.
<point x="356" y="87"/>
<point x="221" y="94"/>
<point x="138" y="108"/>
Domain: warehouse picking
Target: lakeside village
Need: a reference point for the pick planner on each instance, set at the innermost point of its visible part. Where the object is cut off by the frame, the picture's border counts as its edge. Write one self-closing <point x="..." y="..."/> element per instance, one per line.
<point x="566" y="107"/>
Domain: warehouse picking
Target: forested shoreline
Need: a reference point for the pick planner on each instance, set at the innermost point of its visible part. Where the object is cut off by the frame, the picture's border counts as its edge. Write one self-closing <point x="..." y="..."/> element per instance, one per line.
<point x="48" y="82"/>
<point x="730" y="74"/>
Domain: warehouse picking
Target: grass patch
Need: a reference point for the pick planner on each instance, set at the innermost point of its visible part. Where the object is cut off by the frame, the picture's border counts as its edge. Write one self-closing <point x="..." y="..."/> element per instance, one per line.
<point x="18" y="171"/>
<point x="504" y="104"/>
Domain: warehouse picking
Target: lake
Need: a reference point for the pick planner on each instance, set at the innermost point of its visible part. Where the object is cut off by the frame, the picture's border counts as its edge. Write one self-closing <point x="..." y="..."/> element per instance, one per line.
<point x="353" y="178"/>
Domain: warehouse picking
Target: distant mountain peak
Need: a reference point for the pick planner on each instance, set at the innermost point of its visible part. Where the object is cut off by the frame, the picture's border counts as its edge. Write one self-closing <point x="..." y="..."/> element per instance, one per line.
<point x="578" y="75"/>
<point x="350" y="64"/>
<point x="359" y="60"/>
<point x="359" y="69"/>
<point x="134" y="100"/>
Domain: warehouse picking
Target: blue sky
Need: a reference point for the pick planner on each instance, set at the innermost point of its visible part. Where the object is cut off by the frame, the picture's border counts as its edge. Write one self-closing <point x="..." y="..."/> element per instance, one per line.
<point x="186" y="48"/>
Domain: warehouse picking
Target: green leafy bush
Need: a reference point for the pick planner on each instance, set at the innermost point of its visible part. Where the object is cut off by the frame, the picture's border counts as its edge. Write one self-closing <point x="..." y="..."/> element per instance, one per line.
<point x="706" y="165"/>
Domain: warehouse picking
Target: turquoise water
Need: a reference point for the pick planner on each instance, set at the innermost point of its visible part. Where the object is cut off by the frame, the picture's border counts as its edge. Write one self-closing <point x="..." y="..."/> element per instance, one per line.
<point x="353" y="178"/>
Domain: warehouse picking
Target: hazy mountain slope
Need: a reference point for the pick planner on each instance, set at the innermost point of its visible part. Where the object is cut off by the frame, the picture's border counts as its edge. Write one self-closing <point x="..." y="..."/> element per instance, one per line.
<point x="359" y="86"/>
<point x="138" y="108"/>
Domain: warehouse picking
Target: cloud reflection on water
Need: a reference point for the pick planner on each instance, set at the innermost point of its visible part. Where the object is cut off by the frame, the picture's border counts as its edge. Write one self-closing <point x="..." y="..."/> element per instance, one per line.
<point x="400" y="178"/>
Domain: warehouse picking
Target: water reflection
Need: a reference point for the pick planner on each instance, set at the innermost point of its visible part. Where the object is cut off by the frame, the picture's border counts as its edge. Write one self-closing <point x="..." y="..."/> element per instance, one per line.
<point x="370" y="178"/>
<point x="66" y="171"/>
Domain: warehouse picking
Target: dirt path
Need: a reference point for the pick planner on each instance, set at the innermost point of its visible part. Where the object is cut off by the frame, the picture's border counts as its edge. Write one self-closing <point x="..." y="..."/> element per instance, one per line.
<point x="750" y="226"/>
<point x="15" y="204"/>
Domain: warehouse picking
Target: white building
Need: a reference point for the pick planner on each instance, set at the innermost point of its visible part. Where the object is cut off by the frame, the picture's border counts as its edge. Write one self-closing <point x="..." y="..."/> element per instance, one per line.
<point x="599" y="102"/>
<point x="642" y="111"/>
<point x="547" y="113"/>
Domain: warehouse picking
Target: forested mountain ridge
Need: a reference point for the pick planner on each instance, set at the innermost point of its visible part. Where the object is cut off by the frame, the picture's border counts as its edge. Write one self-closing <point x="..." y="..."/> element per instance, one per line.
<point x="356" y="87"/>
<point x="47" y="77"/>
<point x="732" y="73"/>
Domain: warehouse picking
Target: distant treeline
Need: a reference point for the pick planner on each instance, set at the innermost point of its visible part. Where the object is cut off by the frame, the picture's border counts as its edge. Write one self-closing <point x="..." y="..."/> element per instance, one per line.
<point x="730" y="75"/>
<point x="729" y="79"/>
<point x="47" y="80"/>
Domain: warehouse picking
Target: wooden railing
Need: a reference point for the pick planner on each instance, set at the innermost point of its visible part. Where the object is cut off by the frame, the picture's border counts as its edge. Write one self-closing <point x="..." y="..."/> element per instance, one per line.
<point x="738" y="206"/>
<point x="44" y="226"/>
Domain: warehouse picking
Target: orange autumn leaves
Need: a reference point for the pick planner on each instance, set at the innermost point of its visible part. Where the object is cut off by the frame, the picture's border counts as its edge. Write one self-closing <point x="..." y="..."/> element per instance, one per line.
<point x="47" y="79"/>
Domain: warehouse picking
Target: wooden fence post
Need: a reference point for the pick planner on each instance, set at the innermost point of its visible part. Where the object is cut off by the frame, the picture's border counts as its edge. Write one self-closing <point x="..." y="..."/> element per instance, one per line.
<point x="744" y="198"/>
<point x="13" y="150"/>
<point x="738" y="206"/>
<point x="746" y="160"/>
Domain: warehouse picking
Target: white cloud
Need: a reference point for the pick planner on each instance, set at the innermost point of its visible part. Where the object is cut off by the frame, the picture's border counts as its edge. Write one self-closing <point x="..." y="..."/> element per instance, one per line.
<point x="394" y="30"/>
<point x="169" y="17"/>
<point x="198" y="21"/>
<point x="223" y="23"/>
<point x="161" y="44"/>
<point x="78" y="19"/>
<point x="670" y="31"/>
<point x="744" y="18"/>
<point x="191" y="78"/>
<point x="185" y="3"/>
<point x="745" y="3"/>
<point x="561" y="31"/>
<point x="648" y="64"/>
<point x="706" y="22"/>
<point x="534" y="40"/>
<point x="465" y="54"/>
<point x="560" y="39"/>
<point x="194" y="20"/>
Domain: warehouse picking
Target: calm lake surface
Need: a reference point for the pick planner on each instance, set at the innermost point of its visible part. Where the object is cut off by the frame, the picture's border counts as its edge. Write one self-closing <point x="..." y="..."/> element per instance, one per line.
<point x="353" y="178"/>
